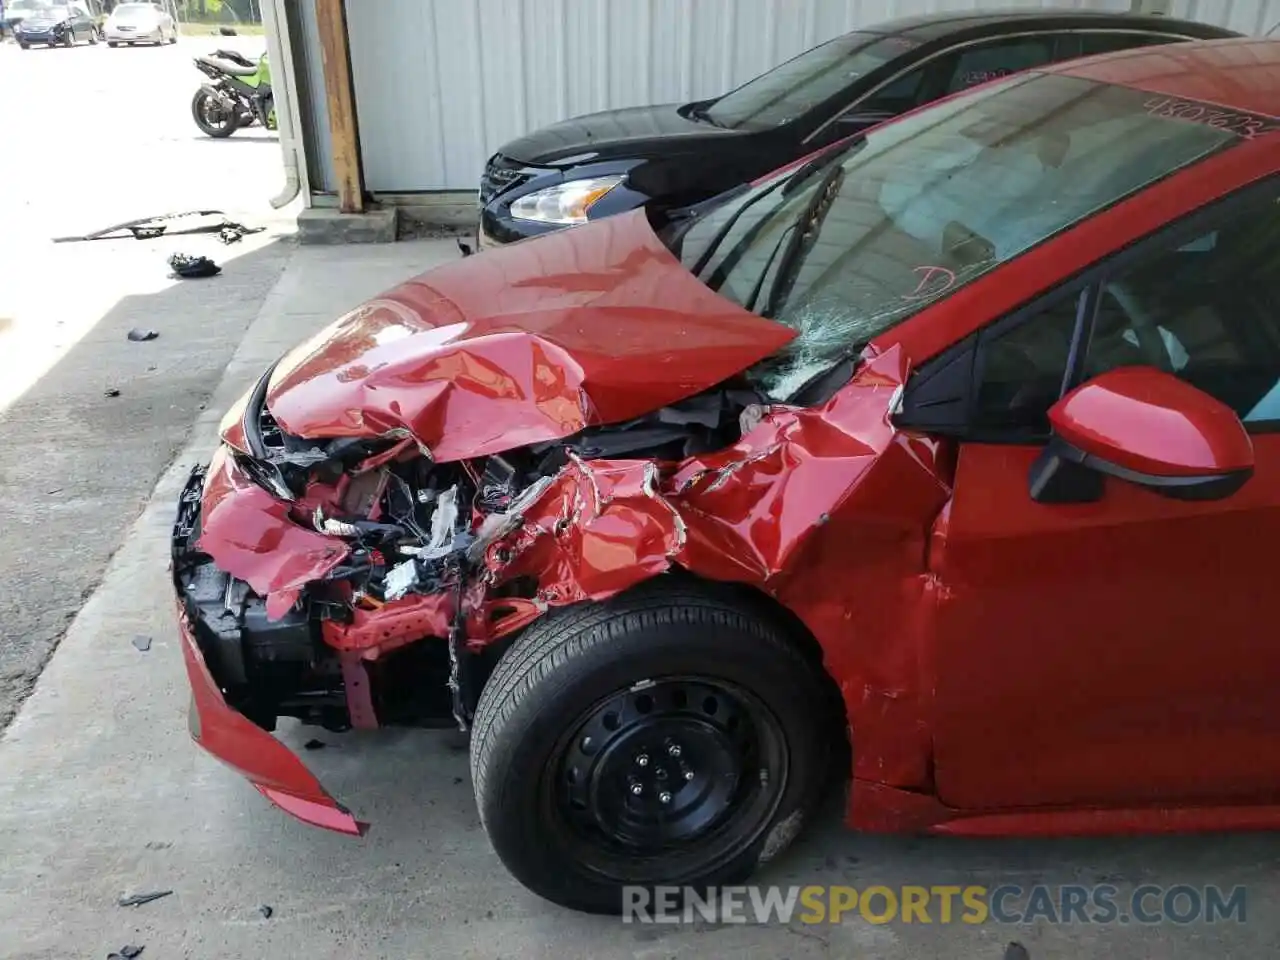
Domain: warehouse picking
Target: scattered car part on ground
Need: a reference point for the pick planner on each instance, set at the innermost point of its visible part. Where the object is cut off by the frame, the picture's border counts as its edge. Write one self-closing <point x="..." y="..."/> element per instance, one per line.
<point x="148" y="228"/>
<point x="661" y="510"/>
<point x="673" y="155"/>
<point x="140" y="335"/>
<point x="127" y="952"/>
<point x="142" y="643"/>
<point x="140" y="899"/>
<point x="239" y="94"/>
<point x="131" y="23"/>
<point x="190" y="267"/>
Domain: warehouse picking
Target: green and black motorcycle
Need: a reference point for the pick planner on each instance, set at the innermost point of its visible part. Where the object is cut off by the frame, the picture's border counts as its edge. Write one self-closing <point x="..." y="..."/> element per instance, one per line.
<point x="238" y="94"/>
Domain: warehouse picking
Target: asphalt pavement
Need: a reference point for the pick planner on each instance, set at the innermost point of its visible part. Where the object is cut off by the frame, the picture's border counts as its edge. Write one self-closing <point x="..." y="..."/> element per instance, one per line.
<point x="96" y="136"/>
<point x="102" y="794"/>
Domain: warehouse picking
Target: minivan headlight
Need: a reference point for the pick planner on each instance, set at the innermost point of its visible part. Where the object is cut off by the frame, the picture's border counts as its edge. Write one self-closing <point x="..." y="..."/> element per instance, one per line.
<point x="565" y="203"/>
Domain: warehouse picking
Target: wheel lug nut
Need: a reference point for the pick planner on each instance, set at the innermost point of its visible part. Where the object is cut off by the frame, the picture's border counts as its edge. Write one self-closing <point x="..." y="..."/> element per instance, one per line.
<point x="660" y="773"/>
<point x="673" y="750"/>
<point x="642" y="760"/>
<point x="664" y="797"/>
<point x="636" y="789"/>
<point x="688" y="775"/>
<point x="586" y="743"/>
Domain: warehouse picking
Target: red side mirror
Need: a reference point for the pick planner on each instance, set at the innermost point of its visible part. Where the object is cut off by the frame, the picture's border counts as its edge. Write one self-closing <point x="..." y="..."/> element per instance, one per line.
<point x="1146" y="427"/>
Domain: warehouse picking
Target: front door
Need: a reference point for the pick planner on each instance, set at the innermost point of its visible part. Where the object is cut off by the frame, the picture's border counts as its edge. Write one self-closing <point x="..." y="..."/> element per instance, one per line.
<point x="1123" y="651"/>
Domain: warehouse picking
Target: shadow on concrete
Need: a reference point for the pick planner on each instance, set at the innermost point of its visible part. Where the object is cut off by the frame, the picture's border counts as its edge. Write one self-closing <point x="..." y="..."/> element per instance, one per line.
<point x="77" y="465"/>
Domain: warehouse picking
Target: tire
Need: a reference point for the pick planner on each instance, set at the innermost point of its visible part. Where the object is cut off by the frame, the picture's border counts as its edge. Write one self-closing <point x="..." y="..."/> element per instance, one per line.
<point x="25" y="46"/>
<point x="93" y="38"/>
<point x="112" y="43"/>
<point x="68" y="39"/>
<point x="718" y="678"/>
<point x="226" y="129"/>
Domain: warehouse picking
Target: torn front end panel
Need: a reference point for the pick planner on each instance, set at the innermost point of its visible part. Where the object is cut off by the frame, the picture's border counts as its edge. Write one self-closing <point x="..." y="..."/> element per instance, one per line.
<point x="360" y="582"/>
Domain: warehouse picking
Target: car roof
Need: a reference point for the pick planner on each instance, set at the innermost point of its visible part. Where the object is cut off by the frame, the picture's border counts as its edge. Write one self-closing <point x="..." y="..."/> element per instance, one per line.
<point x="1243" y="74"/>
<point x="928" y="28"/>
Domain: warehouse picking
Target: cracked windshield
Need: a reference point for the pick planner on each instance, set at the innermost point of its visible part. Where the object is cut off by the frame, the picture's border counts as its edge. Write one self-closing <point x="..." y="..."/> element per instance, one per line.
<point x="843" y="250"/>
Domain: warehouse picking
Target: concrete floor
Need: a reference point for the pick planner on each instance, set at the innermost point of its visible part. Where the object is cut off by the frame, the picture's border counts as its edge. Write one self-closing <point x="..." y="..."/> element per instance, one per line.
<point x="102" y="793"/>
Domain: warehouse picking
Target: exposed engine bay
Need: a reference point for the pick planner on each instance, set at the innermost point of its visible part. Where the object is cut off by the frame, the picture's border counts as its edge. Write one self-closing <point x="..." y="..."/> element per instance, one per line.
<point x="342" y="649"/>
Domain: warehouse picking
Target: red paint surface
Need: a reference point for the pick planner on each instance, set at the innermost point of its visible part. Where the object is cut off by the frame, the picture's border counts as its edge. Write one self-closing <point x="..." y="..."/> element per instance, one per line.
<point x="1148" y="421"/>
<point x="531" y="342"/>
<point x="267" y="763"/>
<point x="253" y="538"/>
<point x="1004" y="664"/>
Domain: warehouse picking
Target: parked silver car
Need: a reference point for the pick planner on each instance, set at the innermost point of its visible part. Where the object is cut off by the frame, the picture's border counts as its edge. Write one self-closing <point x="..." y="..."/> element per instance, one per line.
<point x="132" y="23"/>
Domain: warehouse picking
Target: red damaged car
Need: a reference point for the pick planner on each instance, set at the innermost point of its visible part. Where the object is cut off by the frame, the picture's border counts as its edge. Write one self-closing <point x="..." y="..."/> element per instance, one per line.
<point x="947" y="460"/>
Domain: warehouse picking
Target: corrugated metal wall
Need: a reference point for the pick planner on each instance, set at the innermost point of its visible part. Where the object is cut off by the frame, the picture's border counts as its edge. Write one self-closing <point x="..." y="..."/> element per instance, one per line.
<point x="441" y="84"/>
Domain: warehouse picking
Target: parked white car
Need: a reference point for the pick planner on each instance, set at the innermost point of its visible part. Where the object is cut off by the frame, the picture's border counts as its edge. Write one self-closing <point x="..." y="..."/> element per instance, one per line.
<point x="139" y="23"/>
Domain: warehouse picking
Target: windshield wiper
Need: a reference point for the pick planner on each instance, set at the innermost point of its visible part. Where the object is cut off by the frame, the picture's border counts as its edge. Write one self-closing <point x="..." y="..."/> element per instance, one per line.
<point x="807" y="225"/>
<point x="820" y="161"/>
<point x="787" y="185"/>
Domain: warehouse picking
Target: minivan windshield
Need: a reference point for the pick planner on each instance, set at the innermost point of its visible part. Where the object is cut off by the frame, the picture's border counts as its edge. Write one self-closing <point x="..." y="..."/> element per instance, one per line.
<point x="802" y="83"/>
<point x="844" y="250"/>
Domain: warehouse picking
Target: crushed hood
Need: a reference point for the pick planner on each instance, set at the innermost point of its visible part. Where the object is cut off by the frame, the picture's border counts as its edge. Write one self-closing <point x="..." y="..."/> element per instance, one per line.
<point x="522" y="344"/>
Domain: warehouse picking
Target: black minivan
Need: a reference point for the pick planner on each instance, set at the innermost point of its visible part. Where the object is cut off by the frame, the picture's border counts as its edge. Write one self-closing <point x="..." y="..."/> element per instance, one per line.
<point x="676" y="154"/>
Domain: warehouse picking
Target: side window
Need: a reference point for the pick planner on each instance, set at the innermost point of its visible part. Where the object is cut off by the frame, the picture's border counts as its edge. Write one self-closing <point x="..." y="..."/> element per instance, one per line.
<point x="1206" y="310"/>
<point x="898" y="97"/>
<point x="1092" y="43"/>
<point x="901" y="95"/>
<point x="999" y="58"/>
<point x="1021" y="371"/>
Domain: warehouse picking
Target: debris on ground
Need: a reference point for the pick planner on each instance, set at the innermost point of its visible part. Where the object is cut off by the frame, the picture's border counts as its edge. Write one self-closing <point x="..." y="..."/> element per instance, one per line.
<point x="142" y="642"/>
<point x="127" y="952"/>
<point x="189" y="267"/>
<point x="1016" y="951"/>
<point x="138" y="899"/>
<point x="158" y="844"/>
<point x="457" y="780"/>
<point x="138" y="334"/>
<point x="464" y="248"/>
<point x="233" y="232"/>
<point x="148" y="228"/>
<point x="314" y="745"/>
<point x="266" y="911"/>
<point x="112" y="392"/>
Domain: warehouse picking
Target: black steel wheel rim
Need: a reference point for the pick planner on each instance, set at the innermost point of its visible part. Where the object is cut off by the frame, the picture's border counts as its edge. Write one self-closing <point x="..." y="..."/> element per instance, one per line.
<point x="668" y="779"/>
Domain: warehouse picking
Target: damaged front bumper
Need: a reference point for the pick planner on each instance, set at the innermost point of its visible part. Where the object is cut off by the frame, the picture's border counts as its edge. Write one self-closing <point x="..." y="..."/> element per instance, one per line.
<point x="217" y="726"/>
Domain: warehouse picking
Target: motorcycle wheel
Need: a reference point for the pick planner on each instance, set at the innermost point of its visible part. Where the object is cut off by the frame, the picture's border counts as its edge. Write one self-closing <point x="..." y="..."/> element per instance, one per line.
<point x="212" y="120"/>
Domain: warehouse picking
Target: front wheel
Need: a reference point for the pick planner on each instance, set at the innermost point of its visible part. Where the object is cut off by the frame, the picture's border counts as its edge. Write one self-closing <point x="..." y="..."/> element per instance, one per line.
<point x="68" y="39"/>
<point x="93" y="38"/>
<point x="664" y="738"/>
<point x="211" y="117"/>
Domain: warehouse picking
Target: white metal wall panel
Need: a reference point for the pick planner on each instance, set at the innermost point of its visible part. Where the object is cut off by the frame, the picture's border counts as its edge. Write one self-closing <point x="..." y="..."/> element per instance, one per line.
<point x="441" y="84"/>
<point x="1247" y="16"/>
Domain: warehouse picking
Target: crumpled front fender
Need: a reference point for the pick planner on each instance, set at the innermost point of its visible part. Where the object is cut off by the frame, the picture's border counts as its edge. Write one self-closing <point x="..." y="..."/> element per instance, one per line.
<point x="826" y="509"/>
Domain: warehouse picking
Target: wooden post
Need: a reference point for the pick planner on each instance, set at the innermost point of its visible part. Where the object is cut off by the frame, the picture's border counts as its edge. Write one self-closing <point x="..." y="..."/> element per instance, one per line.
<point x="331" y="18"/>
